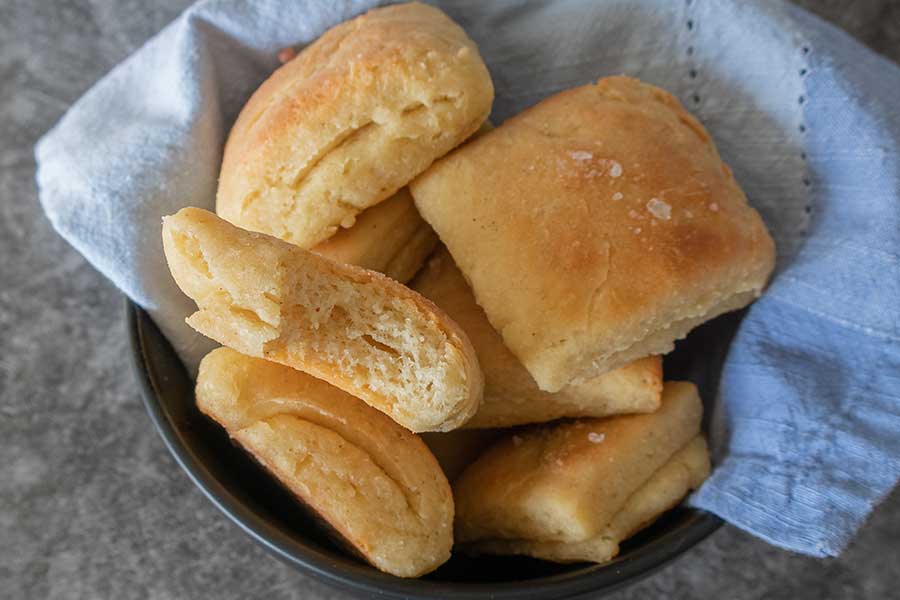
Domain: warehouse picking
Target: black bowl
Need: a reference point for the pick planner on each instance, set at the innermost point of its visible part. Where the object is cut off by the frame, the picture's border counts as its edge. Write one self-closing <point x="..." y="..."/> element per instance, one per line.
<point x="256" y="503"/>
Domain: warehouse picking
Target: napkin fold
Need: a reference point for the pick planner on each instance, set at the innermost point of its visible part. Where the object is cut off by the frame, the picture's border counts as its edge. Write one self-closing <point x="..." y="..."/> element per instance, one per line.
<point x="806" y="428"/>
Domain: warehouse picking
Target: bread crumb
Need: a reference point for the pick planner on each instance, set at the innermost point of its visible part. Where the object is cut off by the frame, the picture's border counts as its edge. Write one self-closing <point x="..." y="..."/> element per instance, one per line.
<point x="636" y="230"/>
<point x="633" y="214"/>
<point x="714" y="207"/>
<point x="596" y="438"/>
<point x="659" y="209"/>
<point x="559" y="462"/>
<point x="348" y="221"/>
<point x="517" y="440"/>
<point x="615" y="169"/>
<point x="581" y="155"/>
<point x="617" y="196"/>
<point x="286" y="54"/>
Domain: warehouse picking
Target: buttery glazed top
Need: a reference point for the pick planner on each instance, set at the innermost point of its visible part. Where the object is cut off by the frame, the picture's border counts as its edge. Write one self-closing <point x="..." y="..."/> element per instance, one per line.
<point x="588" y="221"/>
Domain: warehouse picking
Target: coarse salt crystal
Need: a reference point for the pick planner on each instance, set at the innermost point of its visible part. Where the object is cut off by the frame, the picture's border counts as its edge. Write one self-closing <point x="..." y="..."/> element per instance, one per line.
<point x="688" y="214"/>
<point x="617" y="196"/>
<point x="633" y="214"/>
<point x="637" y="230"/>
<point x="659" y="209"/>
<point x="596" y="438"/>
<point x="714" y="207"/>
<point x="581" y="155"/>
<point x="615" y="169"/>
<point x="559" y="462"/>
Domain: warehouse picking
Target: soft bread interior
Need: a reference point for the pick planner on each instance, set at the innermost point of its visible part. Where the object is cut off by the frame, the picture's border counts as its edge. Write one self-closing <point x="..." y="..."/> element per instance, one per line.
<point x="565" y="481"/>
<point x="356" y="329"/>
<point x="375" y="483"/>
<point x="663" y="491"/>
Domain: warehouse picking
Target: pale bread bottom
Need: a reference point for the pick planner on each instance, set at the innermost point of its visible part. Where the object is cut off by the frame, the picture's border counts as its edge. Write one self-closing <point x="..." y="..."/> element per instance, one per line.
<point x="662" y="341"/>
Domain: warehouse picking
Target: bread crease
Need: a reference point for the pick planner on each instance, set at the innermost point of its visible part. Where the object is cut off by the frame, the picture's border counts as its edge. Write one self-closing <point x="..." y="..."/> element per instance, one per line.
<point x="372" y="481"/>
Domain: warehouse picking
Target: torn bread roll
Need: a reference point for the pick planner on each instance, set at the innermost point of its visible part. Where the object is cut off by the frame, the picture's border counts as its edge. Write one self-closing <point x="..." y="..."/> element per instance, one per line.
<point x="511" y="397"/>
<point x="353" y="118"/>
<point x="665" y="489"/>
<point x="597" y="227"/>
<point x="372" y="481"/>
<point x="390" y="237"/>
<point x="565" y="482"/>
<point x="356" y="329"/>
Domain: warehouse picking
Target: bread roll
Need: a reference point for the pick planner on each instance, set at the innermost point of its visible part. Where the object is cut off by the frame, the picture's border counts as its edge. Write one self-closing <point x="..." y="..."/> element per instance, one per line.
<point x="349" y="121"/>
<point x="390" y="237"/>
<point x="372" y="481"/>
<point x="356" y="329"/>
<point x="511" y="397"/>
<point x="565" y="482"/>
<point x="597" y="227"/>
<point x="663" y="491"/>
<point x="455" y="450"/>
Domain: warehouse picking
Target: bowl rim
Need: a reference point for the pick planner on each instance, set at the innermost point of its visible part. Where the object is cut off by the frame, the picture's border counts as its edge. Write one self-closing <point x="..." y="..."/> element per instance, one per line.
<point x="593" y="579"/>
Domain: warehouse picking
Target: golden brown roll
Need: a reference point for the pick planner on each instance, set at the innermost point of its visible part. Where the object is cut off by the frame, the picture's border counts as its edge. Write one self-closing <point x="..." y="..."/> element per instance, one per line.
<point x="349" y="121"/>
<point x="596" y="227"/>
<point x="356" y="329"/>
<point x="390" y="237"/>
<point x="511" y="397"/>
<point x="565" y="482"/>
<point x="663" y="491"/>
<point x="375" y="483"/>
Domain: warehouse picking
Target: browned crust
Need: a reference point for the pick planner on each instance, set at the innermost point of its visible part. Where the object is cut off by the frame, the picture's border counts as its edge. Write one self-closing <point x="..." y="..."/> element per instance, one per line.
<point x="591" y="221"/>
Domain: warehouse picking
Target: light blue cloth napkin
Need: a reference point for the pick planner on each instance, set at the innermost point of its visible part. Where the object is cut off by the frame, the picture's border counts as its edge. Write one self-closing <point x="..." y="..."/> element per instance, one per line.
<point x="806" y="430"/>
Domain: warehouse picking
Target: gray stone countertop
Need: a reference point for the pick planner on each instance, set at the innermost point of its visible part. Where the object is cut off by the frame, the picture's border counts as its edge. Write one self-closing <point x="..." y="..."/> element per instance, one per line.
<point x="91" y="503"/>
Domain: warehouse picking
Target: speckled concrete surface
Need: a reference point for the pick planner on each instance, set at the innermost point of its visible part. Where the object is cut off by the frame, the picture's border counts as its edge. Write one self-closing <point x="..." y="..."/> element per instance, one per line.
<point x="91" y="504"/>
